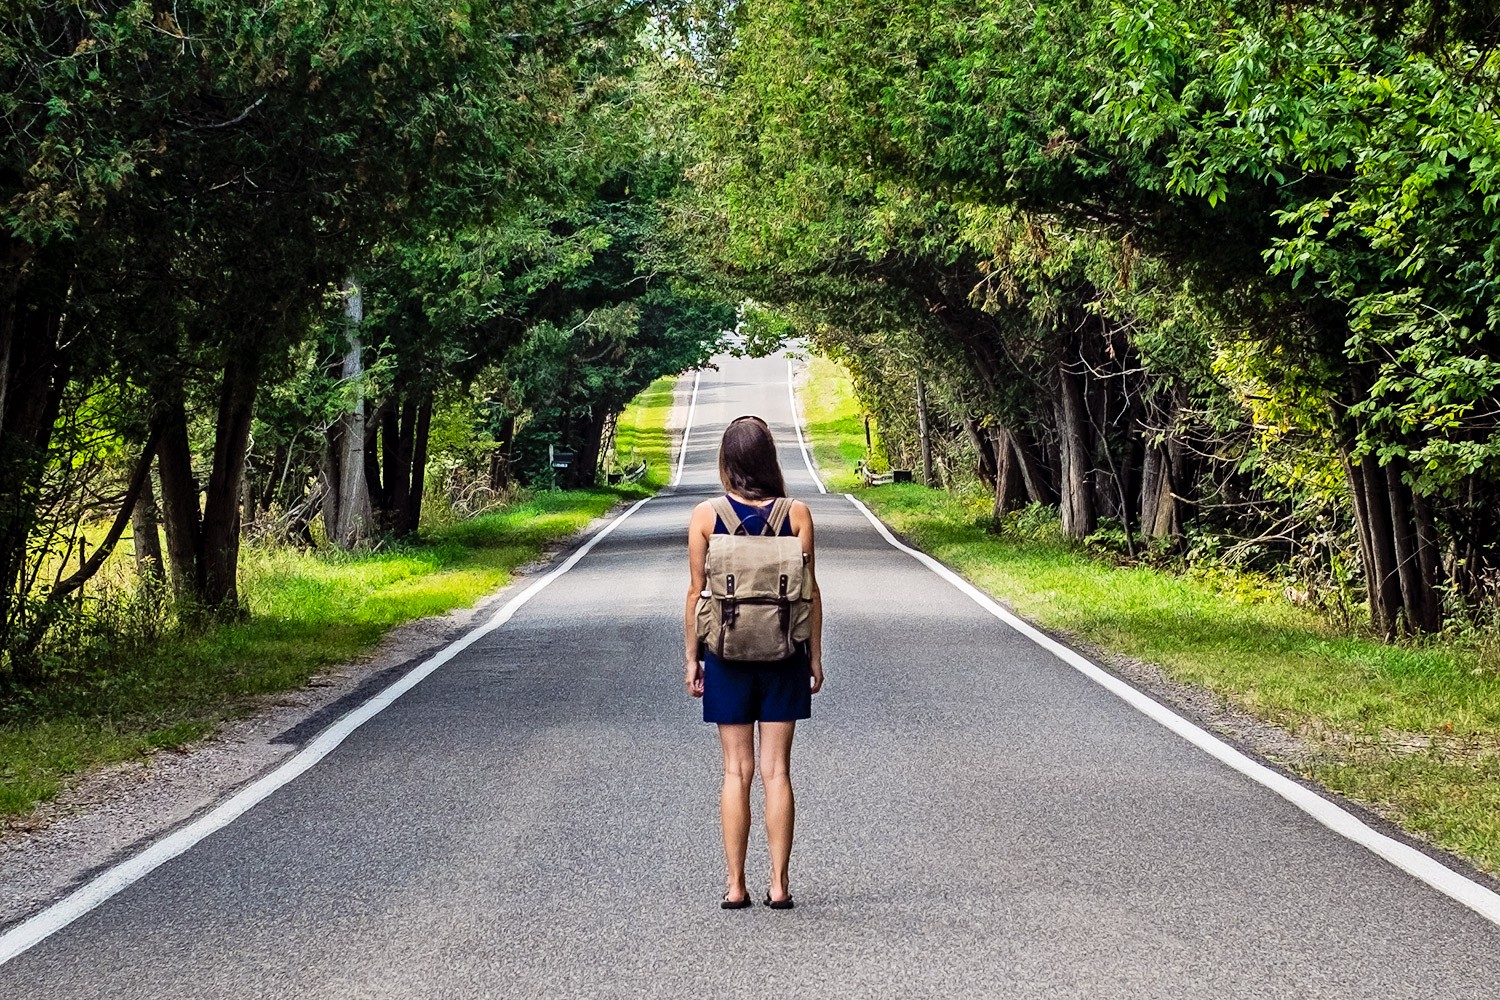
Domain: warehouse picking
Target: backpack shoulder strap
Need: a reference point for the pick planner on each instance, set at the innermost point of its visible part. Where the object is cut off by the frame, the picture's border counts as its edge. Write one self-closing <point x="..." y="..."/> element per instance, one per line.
<point x="780" y="511"/>
<point x="727" y="514"/>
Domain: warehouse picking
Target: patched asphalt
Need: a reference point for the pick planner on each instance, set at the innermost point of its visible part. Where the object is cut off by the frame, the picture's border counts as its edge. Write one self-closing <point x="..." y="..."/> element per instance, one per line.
<point x="538" y="819"/>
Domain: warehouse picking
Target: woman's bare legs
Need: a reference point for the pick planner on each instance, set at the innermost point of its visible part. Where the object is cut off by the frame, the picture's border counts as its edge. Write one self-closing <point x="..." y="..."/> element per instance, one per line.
<point x="738" y="743"/>
<point x="781" y="808"/>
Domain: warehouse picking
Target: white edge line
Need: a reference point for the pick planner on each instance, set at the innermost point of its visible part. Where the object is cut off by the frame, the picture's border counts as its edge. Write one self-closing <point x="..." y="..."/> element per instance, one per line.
<point x="687" y="429"/>
<point x="797" y="423"/>
<point x="1476" y="897"/>
<point x="103" y="886"/>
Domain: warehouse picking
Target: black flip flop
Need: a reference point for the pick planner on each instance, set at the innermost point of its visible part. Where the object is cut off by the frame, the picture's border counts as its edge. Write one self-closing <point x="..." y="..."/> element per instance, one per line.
<point x="778" y="904"/>
<point x="739" y="904"/>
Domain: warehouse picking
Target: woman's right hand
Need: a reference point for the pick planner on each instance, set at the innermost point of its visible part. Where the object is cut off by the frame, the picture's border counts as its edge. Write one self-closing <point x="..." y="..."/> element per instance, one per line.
<point x="693" y="678"/>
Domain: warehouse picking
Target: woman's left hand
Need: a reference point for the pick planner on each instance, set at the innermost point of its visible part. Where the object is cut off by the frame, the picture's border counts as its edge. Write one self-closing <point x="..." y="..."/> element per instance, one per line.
<point x="693" y="679"/>
<point x="817" y="676"/>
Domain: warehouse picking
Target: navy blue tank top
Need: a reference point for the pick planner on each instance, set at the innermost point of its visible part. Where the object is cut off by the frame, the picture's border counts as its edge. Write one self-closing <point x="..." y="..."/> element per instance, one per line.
<point x="752" y="517"/>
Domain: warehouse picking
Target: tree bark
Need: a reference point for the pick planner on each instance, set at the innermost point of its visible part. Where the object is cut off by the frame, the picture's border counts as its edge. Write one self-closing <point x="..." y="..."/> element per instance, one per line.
<point x="1007" y="474"/>
<point x="500" y="457"/>
<point x="145" y="536"/>
<point x="37" y="375"/>
<point x="373" y="451"/>
<point x="1429" y="557"/>
<point x="399" y="472"/>
<point x="584" y="471"/>
<point x="1159" y="514"/>
<point x="986" y="463"/>
<point x="351" y="525"/>
<point x="1377" y="548"/>
<point x="924" y="434"/>
<point x="278" y="461"/>
<point x="1076" y="492"/>
<point x="390" y="438"/>
<point x="1034" y="474"/>
<point x="411" y="508"/>
<point x="219" y="540"/>
<point x="1418" y="596"/>
<point x="180" y="501"/>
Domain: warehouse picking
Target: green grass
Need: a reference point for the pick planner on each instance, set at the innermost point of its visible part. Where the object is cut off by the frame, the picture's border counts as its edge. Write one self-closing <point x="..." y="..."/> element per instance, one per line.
<point x="641" y="434"/>
<point x="308" y="610"/>
<point x="834" y="422"/>
<point x="1412" y="729"/>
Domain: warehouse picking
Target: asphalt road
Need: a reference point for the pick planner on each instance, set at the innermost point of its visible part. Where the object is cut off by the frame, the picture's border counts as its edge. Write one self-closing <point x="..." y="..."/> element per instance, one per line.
<point x="538" y="819"/>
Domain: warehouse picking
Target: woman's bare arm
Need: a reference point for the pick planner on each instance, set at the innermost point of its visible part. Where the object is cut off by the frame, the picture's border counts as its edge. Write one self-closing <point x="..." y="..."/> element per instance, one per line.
<point x="802" y="527"/>
<point x="699" y="529"/>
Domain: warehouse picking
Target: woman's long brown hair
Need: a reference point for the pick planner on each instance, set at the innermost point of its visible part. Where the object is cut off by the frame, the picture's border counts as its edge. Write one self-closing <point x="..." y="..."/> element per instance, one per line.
<point x="748" y="466"/>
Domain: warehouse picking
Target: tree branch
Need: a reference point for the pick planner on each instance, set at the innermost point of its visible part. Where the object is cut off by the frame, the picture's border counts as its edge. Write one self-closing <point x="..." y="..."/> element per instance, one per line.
<point x="137" y="481"/>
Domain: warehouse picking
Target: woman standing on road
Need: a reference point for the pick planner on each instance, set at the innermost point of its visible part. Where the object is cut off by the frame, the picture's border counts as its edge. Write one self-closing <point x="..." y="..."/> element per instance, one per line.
<point x="738" y="695"/>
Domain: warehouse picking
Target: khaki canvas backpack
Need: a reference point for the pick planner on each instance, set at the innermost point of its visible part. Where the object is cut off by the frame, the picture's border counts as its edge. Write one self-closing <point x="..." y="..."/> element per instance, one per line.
<point x="757" y="600"/>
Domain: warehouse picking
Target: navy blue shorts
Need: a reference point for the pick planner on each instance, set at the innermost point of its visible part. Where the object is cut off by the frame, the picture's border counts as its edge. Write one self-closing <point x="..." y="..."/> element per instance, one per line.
<point x="736" y="692"/>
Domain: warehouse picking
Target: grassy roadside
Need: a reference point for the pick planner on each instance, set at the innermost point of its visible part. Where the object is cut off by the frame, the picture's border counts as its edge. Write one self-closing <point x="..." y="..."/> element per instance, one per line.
<point x="308" y="610"/>
<point x="834" y="423"/>
<point x="1413" y="731"/>
<point x="642" y="436"/>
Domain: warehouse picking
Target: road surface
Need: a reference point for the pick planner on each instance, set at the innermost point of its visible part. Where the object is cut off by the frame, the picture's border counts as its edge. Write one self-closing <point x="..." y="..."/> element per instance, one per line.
<point x="538" y="819"/>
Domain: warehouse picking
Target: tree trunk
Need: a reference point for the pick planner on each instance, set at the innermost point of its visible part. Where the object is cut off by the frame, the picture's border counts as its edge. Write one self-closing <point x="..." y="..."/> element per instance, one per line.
<point x="1159" y="514"/>
<point x="36" y="376"/>
<point x="986" y="463"/>
<point x="219" y="540"/>
<point x="1007" y="474"/>
<point x="584" y="471"/>
<point x="145" y="536"/>
<point x="1377" y="547"/>
<point x="375" y="488"/>
<point x="351" y="523"/>
<point x="273" y="482"/>
<point x="398" y="474"/>
<point x="1034" y="474"/>
<point x="390" y="443"/>
<point x="1418" y="595"/>
<point x="924" y="434"/>
<point x="180" y="502"/>
<point x="1429" y="556"/>
<point x="500" y="457"/>
<point x="410" y="510"/>
<point x="7" y="336"/>
<point x="1076" y="491"/>
<point x="248" y="505"/>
